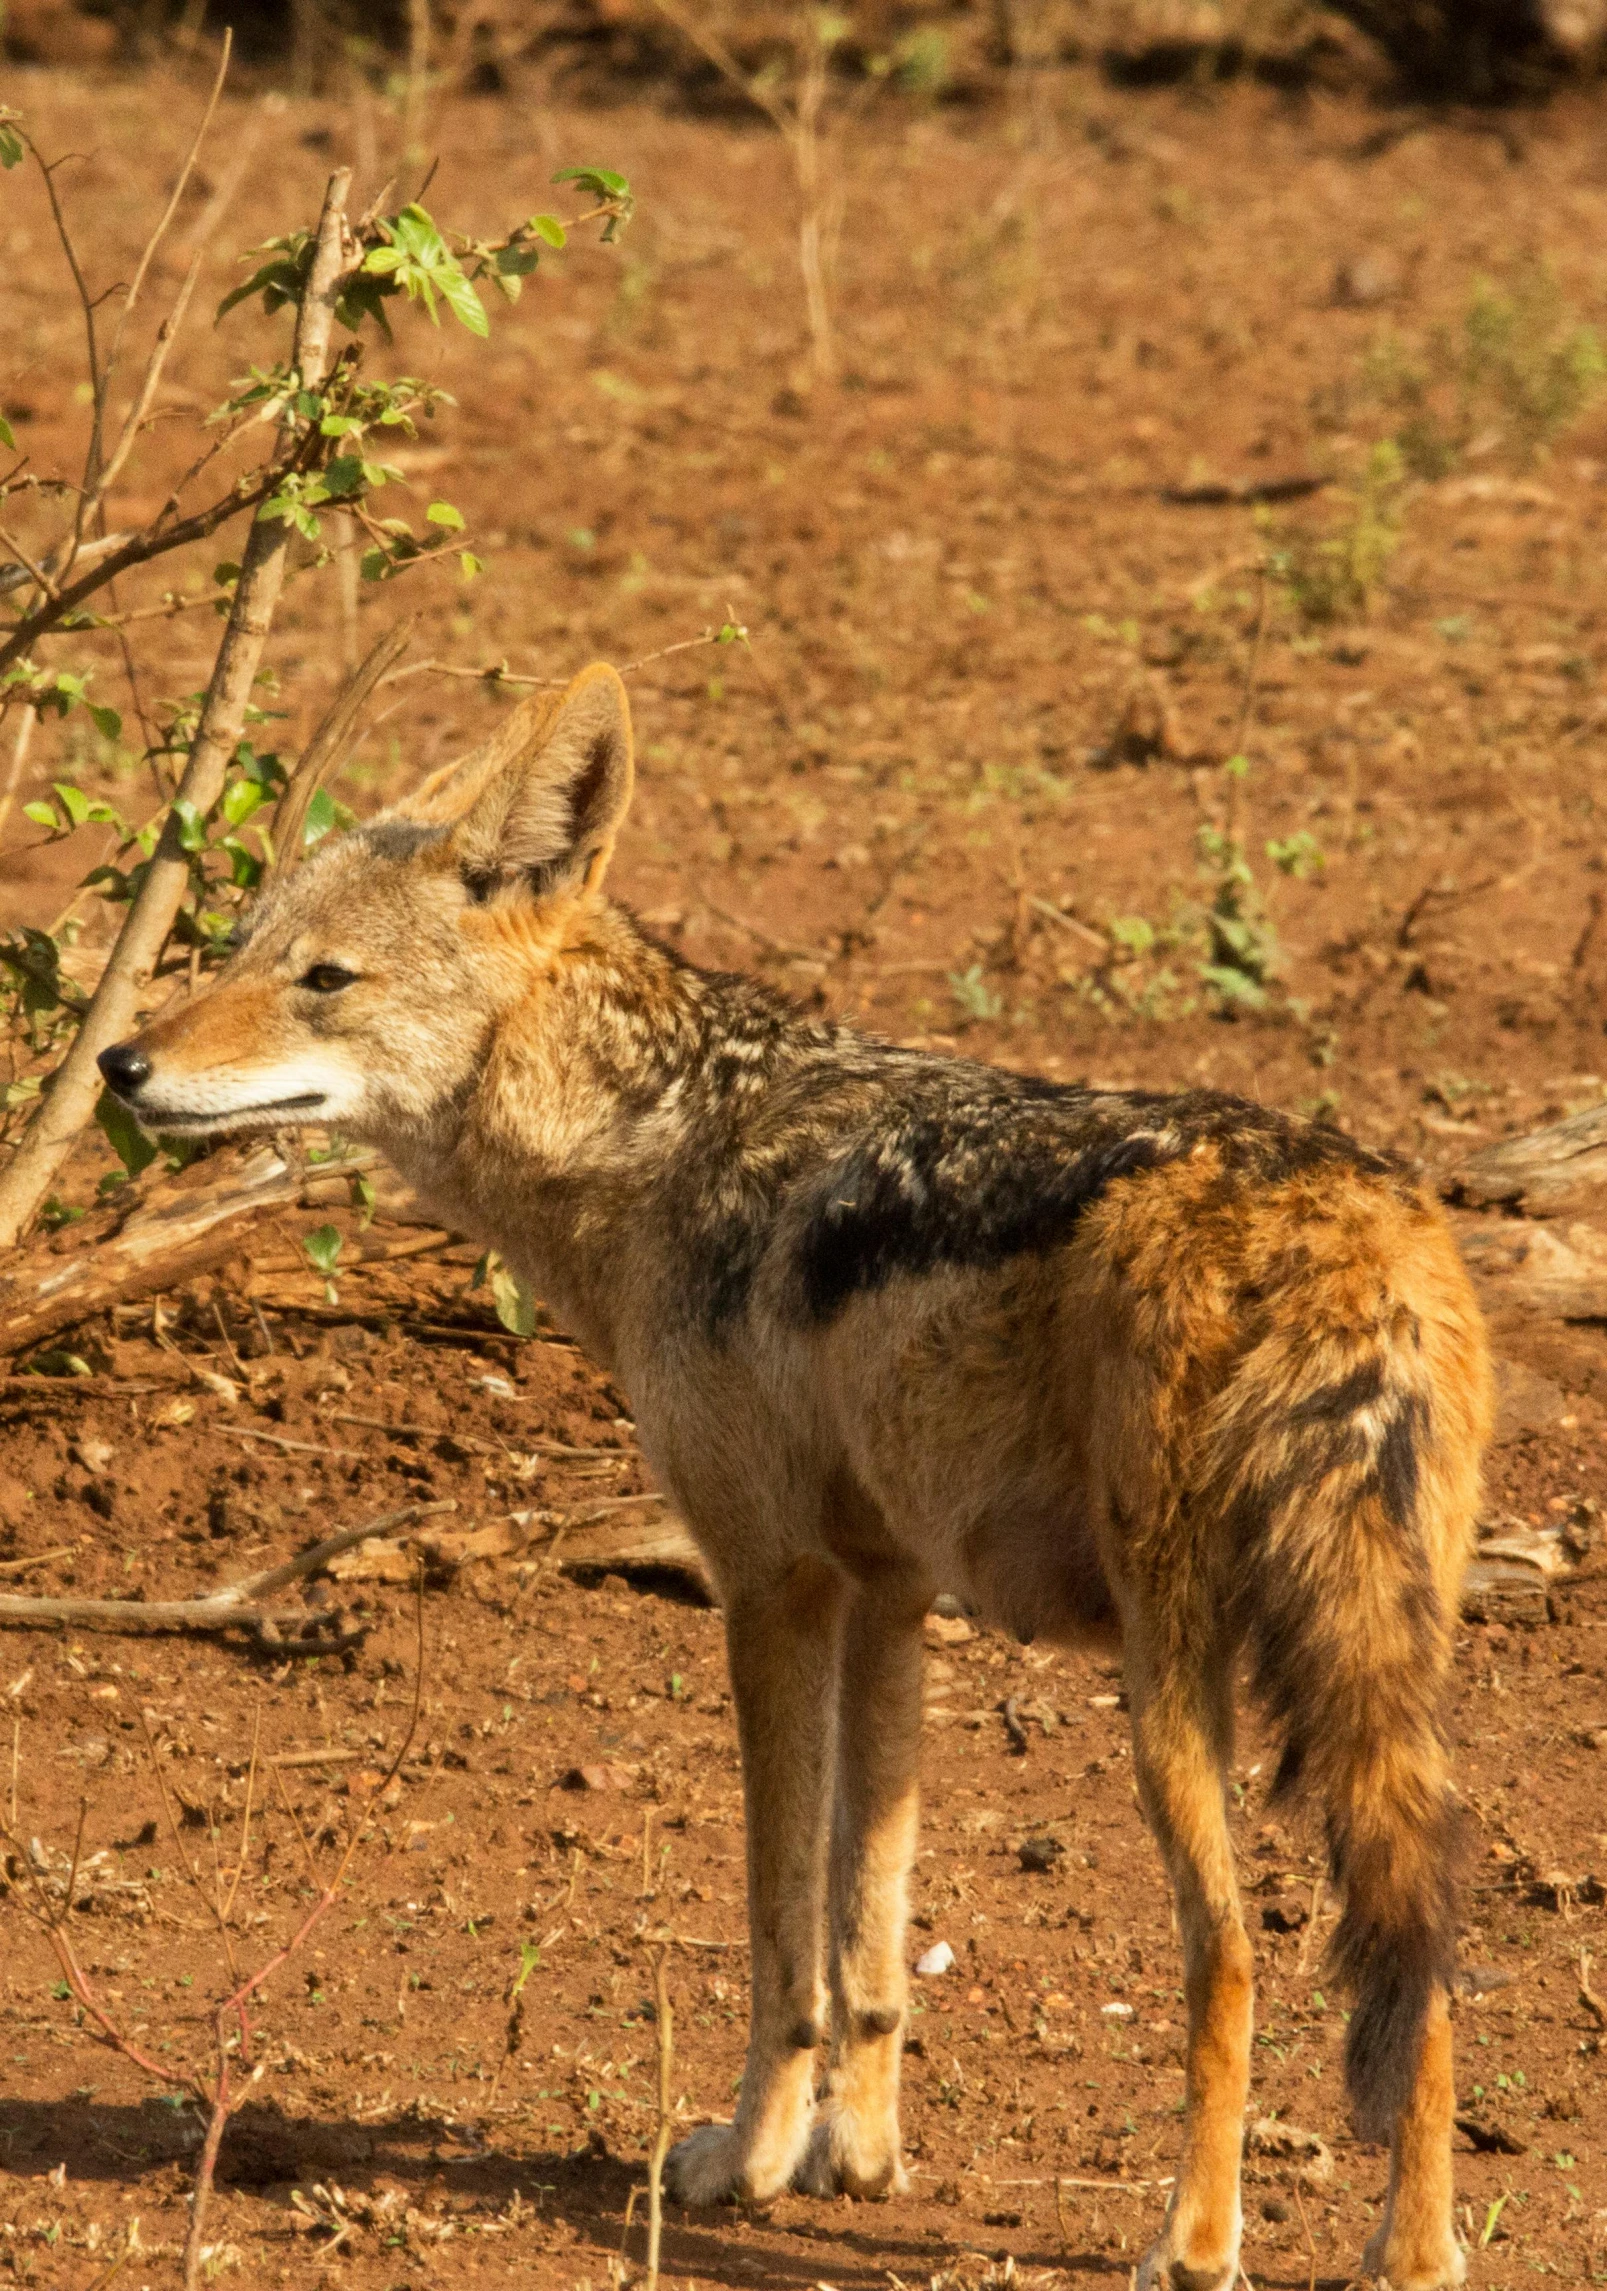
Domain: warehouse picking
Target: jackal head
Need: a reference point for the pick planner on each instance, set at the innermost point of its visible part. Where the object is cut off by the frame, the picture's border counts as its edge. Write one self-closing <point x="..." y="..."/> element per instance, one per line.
<point x="371" y="977"/>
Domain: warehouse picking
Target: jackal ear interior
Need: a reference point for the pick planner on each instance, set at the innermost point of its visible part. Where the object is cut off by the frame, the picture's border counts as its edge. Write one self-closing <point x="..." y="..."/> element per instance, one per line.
<point x="549" y="817"/>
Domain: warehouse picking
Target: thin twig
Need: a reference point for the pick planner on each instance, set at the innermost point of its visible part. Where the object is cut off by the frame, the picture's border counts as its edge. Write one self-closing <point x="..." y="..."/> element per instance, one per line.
<point x="98" y="476"/>
<point x="19" y="761"/>
<point x="327" y="748"/>
<point x="1311" y="2240"/>
<point x="666" y="2113"/>
<point x="236" y="1606"/>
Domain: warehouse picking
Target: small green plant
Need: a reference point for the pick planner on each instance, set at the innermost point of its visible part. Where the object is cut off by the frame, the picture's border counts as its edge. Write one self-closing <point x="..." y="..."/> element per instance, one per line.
<point x="973" y="995"/>
<point x="323" y="1254"/>
<point x="1519" y="372"/>
<point x="1333" y="574"/>
<point x="1527" y="359"/>
<point x="1299" y="855"/>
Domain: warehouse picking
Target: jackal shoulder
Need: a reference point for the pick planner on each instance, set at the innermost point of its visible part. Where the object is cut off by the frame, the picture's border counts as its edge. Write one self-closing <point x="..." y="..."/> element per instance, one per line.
<point x="858" y="1161"/>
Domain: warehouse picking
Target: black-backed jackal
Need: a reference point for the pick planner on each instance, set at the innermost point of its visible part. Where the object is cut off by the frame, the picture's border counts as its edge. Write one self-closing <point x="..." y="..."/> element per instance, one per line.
<point x="1175" y="1373"/>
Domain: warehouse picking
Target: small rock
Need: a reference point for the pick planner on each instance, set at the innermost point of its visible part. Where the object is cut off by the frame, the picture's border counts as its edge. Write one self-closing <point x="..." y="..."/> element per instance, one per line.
<point x="94" y="1455"/>
<point x="948" y="1630"/>
<point x="498" y="1387"/>
<point x="1482" y="1980"/>
<point x="938" y="1959"/>
<point x="1148" y="728"/>
<point x="1119" y="2012"/>
<point x="1039" y="1853"/>
<point x="594" y="1778"/>
<point x="1368" y="278"/>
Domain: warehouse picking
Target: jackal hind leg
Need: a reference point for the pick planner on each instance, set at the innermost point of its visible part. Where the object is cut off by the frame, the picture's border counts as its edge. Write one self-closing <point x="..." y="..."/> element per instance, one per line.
<point x="1182" y="1734"/>
<point x="855" y="2148"/>
<point x="1414" y="2246"/>
<point x="783" y="1641"/>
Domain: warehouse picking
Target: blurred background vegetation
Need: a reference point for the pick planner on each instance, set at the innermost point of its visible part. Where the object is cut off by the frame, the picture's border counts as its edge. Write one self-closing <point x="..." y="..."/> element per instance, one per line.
<point x="1478" y="51"/>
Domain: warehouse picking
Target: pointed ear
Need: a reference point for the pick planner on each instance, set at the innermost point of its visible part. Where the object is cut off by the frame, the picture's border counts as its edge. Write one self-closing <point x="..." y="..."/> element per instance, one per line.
<point x="547" y="820"/>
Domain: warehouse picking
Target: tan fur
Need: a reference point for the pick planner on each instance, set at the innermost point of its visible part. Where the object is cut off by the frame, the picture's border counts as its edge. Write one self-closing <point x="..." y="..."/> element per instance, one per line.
<point x="1240" y="1403"/>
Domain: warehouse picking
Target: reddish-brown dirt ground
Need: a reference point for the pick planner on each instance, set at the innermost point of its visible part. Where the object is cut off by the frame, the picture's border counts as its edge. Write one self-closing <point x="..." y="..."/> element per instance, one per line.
<point x="957" y="568"/>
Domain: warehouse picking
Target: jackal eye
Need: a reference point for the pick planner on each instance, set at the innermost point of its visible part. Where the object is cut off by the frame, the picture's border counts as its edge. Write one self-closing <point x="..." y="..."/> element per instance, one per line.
<point x="327" y="978"/>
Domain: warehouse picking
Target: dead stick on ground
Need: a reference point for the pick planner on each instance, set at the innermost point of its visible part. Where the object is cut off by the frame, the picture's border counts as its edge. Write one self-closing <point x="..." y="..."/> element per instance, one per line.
<point x="666" y="2114"/>
<point x="63" y="1115"/>
<point x="1311" y="2240"/>
<point x="237" y="1606"/>
<point x="1587" y="1995"/>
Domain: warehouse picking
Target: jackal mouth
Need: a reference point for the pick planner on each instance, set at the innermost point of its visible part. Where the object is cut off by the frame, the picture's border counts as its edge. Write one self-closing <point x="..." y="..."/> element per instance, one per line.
<point x="173" y="1123"/>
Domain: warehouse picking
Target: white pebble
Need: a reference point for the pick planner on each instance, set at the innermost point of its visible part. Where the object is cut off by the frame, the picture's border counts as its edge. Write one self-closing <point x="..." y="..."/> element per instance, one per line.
<point x="1119" y="2012"/>
<point x="938" y="1959"/>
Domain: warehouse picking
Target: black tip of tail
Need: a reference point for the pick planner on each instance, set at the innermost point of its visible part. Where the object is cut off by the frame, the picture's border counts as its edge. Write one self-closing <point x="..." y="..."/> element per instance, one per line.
<point x="1385" y="2039"/>
<point x="1394" y="1962"/>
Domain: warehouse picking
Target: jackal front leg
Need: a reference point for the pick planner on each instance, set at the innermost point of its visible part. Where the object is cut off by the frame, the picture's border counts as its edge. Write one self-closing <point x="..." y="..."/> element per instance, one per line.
<point x="783" y="1640"/>
<point x="855" y="2147"/>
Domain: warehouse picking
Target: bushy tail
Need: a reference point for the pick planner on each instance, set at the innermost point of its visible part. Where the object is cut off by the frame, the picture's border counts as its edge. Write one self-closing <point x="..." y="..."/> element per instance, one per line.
<point x="1349" y="1469"/>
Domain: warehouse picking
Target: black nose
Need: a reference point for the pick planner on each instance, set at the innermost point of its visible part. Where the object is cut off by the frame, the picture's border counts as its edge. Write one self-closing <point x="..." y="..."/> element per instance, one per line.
<point x="125" y="1067"/>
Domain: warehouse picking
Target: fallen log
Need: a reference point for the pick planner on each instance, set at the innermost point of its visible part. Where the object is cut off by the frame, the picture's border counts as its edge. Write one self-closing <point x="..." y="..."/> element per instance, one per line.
<point x="182" y="1227"/>
<point x="642" y="1550"/>
<point x="1545" y="1172"/>
<point x="1556" y="1270"/>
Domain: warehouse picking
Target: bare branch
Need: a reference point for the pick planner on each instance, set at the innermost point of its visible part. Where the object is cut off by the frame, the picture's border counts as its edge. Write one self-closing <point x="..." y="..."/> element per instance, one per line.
<point x="237" y="1606"/>
<point x="98" y="476"/>
<point x="330" y="741"/>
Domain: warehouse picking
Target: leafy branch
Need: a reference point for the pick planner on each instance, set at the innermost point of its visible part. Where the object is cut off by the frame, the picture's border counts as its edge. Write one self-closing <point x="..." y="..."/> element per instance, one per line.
<point x="330" y="425"/>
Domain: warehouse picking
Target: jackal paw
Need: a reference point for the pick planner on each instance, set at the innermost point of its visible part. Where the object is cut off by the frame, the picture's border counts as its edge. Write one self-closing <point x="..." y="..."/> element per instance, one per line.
<point x="706" y="2167"/>
<point x="842" y="2161"/>
<point x="1434" y="2262"/>
<point x="1166" y="2269"/>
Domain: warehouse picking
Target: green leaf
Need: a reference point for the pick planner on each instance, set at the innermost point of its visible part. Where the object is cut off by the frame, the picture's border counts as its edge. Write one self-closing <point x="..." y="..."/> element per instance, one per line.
<point x="457" y="292"/>
<point x="549" y="228"/>
<point x="11" y="147"/>
<point x="245" y="868"/>
<point x="73" y="802"/>
<point x="323" y="1248"/>
<point x="7" y="439"/>
<point x="192" y="824"/>
<point x="344" y="476"/>
<point x="323" y="816"/>
<point x="128" y="1141"/>
<point x="515" y="1306"/>
<point x="107" y="722"/>
<point x="601" y="182"/>
<point x="42" y="814"/>
<point x="443" y="513"/>
<point x="240" y="799"/>
<point x="529" y="1959"/>
<point x="469" y="565"/>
